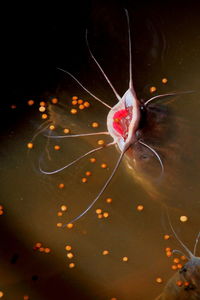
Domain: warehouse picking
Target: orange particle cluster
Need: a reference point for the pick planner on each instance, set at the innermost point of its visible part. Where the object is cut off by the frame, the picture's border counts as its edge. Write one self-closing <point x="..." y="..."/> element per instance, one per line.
<point x="168" y="252"/>
<point x="101" y="214"/>
<point x="1" y="210"/>
<point x="38" y="246"/>
<point x="70" y="255"/>
<point x="81" y="104"/>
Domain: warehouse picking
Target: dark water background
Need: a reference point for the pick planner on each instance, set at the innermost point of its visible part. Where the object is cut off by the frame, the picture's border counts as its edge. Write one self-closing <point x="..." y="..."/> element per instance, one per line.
<point x="166" y="43"/>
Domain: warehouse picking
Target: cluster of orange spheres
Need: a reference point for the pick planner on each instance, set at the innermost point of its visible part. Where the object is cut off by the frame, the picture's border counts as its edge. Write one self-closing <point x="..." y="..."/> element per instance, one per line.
<point x="63" y="209"/>
<point x="181" y="283"/>
<point x="38" y="246"/>
<point x="1" y="210"/>
<point x="87" y="174"/>
<point x="76" y="102"/>
<point x="70" y="255"/>
<point x="101" y="214"/>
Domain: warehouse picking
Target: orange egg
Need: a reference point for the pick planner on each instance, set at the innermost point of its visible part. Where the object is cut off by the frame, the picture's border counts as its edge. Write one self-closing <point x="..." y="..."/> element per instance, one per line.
<point x="95" y="124"/>
<point x="61" y="185"/>
<point x="68" y="247"/>
<point x="74" y="98"/>
<point x="44" y="116"/>
<point x="30" y="102"/>
<point x="66" y="130"/>
<point x="54" y="100"/>
<point x="92" y="160"/>
<point x="108" y="200"/>
<point x="57" y="147"/>
<point x="73" y="111"/>
<point x="30" y="145"/>
<point x="164" y="80"/>
<point x="152" y="89"/>
<point x="84" y="179"/>
<point x="86" y="104"/>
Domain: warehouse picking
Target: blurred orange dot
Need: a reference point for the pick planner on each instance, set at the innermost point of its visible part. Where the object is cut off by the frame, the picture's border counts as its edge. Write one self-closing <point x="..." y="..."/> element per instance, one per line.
<point x="95" y="124"/>
<point x="103" y="166"/>
<point x="105" y="214"/>
<point x="30" y="102"/>
<point x="73" y="111"/>
<point x="86" y="104"/>
<point x="42" y="103"/>
<point x="174" y="267"/>
<point x="140" y="207"/>
<point x="47" y="250"/>
<point x="159" y="280"/>
<point x="42" y="109"/>
<point x="88" y="173"/>
<point x="166" y="237"/>
<point x="30" y="145"/>
<point x="74" y="102"/>
<point x="105" y="252"/>
<point x="70" y="255"/>
<point x="152" y="89"/>
<point x="68" y="247"/>
<point x="164" y="80"/>
<point x="54" y="100"/>
<point x="92" y="160"/>
<point x="71" y="265"/>
<point x="52" y="127"/>
<point x="70" y="225"/>
<point x="66" y="130"/>
<point x="101" y="142"/>
<point x="61" y="185"/>
<point x="74" y="98"/>
<point x="84" y="180"/>
<point x="108" y="200"/>
<point x="125" y="258"/>
<point x="44" y="116"/>
<point x="57" y="147"/>
<point x="63" y="207"/>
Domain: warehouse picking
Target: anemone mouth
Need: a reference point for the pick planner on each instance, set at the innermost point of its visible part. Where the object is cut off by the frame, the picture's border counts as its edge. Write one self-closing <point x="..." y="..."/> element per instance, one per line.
<point x="121" y="121"/>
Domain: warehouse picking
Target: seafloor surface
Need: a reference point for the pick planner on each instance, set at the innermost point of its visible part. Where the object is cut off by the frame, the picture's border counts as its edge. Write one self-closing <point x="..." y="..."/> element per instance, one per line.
<point x="120" y="252"/>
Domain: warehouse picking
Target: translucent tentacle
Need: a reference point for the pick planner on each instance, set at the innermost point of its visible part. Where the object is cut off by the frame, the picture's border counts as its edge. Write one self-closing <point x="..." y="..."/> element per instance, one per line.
<point x="74" y="161"/>
<point x="102" y="71"/>
<point x="166" y="95"/>
<point x="156" y="154"/>
<point x="101" y="191"/>
<point x="77" y="135"/>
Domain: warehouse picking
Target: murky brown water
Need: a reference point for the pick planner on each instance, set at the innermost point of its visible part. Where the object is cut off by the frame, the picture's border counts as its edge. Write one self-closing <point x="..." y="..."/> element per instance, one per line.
<point x="165" y="44"/>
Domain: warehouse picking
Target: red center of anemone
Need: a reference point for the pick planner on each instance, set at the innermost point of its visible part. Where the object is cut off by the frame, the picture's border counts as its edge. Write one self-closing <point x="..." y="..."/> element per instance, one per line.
<point x="121" y="121"/>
